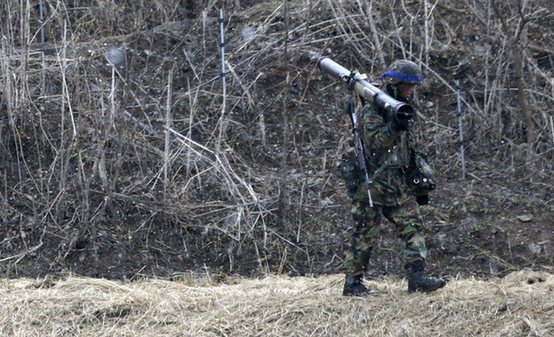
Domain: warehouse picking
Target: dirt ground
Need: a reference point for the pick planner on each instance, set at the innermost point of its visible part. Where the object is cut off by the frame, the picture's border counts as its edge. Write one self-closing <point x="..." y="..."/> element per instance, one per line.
<point x="497" y="220"/>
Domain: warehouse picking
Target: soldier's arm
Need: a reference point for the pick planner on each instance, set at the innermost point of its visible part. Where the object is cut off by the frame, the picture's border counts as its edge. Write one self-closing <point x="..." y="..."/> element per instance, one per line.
<point x="413" y="141"/>
<point x="377" y="131"/>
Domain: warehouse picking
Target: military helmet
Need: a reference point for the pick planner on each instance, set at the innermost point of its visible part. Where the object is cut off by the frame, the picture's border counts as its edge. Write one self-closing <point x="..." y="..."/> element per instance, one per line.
<point x="403" y="71"/>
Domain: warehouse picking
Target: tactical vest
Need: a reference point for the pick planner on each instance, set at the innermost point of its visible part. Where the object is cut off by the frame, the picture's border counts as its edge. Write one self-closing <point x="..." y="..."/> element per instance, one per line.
<point x="397" y="156"/>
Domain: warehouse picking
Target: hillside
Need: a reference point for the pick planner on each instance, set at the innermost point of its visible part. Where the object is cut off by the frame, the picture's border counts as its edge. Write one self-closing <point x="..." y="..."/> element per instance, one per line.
<point x="126" y="153"/>
<point x="517" y="305"/>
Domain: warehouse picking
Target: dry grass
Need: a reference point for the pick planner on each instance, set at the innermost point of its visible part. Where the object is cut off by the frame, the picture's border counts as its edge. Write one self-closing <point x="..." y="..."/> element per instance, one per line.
<point x="520" y="304"/>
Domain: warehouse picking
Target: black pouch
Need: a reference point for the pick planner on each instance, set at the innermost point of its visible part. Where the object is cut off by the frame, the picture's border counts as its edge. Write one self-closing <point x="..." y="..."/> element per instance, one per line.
<point x="420" y="177"/>
<point x="349" y="172"/>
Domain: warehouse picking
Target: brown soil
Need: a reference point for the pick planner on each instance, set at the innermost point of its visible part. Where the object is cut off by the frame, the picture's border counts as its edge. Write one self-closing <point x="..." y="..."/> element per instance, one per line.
<point x="285" y="129"/>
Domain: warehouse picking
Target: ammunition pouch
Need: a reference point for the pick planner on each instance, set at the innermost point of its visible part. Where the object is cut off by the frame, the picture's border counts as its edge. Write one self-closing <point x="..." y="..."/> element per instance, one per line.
<point x="420" y="178"/>
<point x="349" y="171"/>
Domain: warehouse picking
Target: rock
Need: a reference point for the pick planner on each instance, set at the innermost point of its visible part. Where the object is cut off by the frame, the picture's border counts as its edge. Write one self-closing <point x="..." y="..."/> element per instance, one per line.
<point x="534" y="248"/>
<point x="525" y="217"/>
<point x="116" y="56"/>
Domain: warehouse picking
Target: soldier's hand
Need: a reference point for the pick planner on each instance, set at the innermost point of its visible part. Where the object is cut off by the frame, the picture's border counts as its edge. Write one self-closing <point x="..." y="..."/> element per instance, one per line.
<point x="402" y="120"/>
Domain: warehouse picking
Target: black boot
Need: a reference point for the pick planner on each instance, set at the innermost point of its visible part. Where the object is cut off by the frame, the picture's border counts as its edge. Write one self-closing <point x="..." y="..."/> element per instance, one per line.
<point x="353" y="286"/>
<point x="417" y="281"/>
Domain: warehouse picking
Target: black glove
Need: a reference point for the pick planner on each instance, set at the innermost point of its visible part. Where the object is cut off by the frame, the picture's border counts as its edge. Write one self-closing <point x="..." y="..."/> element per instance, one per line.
<point x="422" y="199"/>
<point x="402" y="120"/>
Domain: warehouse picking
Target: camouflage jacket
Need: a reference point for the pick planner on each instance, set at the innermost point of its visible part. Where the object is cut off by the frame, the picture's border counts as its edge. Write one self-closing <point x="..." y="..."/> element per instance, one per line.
<point x="389" y="157"/>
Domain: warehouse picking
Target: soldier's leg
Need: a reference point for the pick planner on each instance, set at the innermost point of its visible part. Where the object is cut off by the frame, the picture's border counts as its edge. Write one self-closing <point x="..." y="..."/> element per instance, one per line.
<point x="410" y="226"/>
<point x="365" y="233"/>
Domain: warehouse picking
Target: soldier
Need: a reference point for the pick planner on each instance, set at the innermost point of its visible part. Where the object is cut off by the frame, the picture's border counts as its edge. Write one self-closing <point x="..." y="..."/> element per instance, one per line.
<point x="392" y="159"/>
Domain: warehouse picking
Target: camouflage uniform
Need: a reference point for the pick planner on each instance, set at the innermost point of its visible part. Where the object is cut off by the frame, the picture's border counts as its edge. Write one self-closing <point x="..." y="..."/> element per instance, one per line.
<point x="389" y="154"/>
<point x="401" y="180"/>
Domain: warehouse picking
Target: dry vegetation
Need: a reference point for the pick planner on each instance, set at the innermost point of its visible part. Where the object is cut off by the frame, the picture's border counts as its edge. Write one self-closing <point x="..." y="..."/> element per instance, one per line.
<point x="518" y="305"/>
<point x="123" y="154"/>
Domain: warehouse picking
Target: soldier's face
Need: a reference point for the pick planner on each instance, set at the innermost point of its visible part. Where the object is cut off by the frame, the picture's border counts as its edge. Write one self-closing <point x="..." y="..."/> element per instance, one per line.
<point x="406" y="90"/>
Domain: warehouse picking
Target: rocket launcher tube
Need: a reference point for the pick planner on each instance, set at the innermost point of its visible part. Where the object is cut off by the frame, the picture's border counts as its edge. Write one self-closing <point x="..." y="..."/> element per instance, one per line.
<point x="362" y="87"/>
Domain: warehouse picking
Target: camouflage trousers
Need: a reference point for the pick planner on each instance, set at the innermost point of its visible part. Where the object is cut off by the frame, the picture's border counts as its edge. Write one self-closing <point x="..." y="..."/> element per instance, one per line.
<point x="365" y="235"/>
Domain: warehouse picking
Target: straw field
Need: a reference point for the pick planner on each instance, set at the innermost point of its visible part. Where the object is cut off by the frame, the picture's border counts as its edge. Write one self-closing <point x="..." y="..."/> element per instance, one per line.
<point x="134" y="145"/>
<point x="520" y="304"/>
